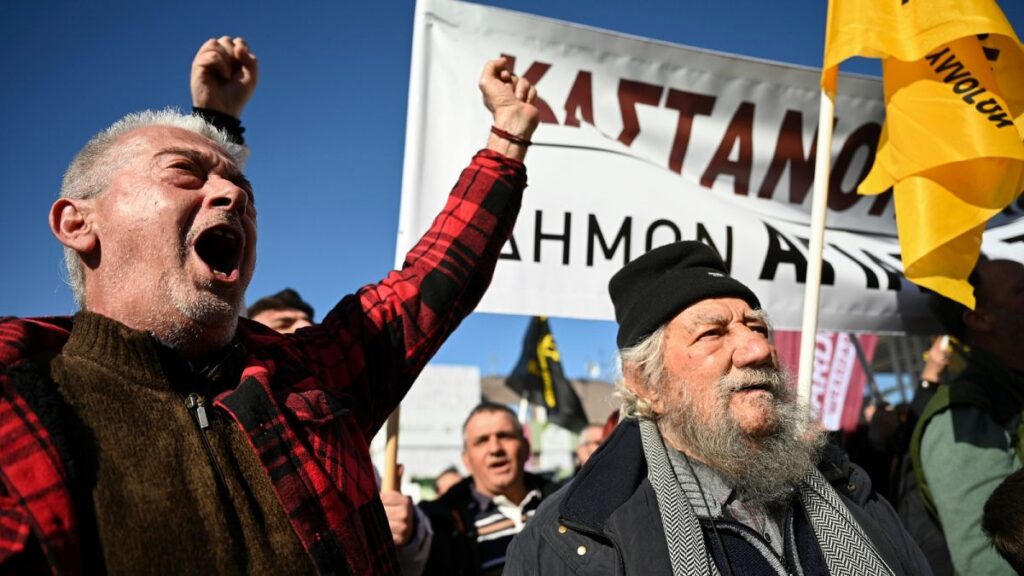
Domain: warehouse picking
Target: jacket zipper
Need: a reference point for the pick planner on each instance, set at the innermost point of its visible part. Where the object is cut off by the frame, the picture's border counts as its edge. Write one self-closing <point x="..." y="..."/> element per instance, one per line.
<point x="196" y="405"/>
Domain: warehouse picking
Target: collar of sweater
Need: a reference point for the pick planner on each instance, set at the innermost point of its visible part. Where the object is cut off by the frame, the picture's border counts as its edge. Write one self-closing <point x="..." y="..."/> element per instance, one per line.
<point x="139" y="357"/>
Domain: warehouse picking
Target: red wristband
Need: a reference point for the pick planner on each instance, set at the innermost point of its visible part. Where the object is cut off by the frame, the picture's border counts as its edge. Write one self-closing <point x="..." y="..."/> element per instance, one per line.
<point x="510" y="137"/>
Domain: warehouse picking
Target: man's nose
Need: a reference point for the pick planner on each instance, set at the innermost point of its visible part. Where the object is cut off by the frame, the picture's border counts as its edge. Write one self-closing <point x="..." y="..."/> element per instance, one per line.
<point x="494" y="445"/>
<point x="227" y="195"/>
<point x="753" y="351"/>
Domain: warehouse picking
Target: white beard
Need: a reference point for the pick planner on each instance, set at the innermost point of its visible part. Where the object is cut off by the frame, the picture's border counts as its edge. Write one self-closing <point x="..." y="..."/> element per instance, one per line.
<point x="764" y="469"/>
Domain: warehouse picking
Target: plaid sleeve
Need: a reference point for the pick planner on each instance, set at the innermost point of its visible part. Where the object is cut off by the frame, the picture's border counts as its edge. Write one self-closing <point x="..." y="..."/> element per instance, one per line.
<point x="34" y="496"/>
<point x="372" y="345"/>
<point x="20" y="337"/>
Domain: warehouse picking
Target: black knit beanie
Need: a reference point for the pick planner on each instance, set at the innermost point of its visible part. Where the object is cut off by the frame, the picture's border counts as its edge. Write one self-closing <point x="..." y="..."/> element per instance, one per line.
<point x="651" y="290"/>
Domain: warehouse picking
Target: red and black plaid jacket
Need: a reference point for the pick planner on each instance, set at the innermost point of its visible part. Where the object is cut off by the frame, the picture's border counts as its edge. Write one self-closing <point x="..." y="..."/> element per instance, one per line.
<point x="309" y="403"/>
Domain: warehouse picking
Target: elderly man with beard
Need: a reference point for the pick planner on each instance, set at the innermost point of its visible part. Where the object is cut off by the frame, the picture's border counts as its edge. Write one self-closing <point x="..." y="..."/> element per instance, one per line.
<point x="716" y="469"/>
<point x="156" y="430"/>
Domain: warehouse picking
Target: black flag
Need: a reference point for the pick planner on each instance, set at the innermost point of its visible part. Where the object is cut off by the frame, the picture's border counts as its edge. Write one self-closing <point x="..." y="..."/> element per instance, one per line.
<point x="539" y="378"/>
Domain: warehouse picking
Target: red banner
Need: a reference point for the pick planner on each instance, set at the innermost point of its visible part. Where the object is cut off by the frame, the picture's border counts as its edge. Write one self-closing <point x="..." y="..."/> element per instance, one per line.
<point x="837" y="392"/>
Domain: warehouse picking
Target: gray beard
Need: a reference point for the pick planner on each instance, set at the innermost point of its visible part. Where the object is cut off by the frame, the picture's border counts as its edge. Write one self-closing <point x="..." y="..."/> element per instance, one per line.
<point x="205" y="323"/>
<point x="763" y="469"/>
<point x="210" y="319"/>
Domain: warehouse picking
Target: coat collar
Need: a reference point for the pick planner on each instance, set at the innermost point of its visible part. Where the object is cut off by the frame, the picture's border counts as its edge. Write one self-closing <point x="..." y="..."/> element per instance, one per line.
<point x="615" y="472"/>
<point x="607" y="481"/>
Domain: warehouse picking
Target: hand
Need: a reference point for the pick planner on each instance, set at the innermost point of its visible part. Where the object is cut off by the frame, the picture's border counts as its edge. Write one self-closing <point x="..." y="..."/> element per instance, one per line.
<point x="510" y="99"/>
<point x="936" y="359"/>
<point x="398" y="508"/>
<point x="224" y="75"/>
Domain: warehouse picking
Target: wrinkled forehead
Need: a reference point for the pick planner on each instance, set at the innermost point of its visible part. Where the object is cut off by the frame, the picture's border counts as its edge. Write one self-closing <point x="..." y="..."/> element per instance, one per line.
<point x="719" y="311"/>
<point x="150" y="141"/>
<point x="490" y="422"/>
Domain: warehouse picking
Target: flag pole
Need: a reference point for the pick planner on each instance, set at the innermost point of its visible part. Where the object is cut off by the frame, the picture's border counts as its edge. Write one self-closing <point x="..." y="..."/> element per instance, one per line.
<point x="897" y="362"/>
<point x="819" y="205"/>
<point x="876" y="393"/>
<point x="391" y="453"/>
<point x="910" y="366"/>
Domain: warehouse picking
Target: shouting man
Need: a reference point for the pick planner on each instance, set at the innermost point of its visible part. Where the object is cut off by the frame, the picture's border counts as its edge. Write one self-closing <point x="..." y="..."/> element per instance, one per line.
<point x="157" y="429"/>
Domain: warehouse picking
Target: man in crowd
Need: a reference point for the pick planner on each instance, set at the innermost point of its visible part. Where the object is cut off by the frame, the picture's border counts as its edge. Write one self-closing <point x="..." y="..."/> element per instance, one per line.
<point x="156" y="428"/>
<point x="476" y="519"/>
<point x="286" y="312"/>
<point x="590" y="441"/>
<point x="713" y="469"/>
<point x="445" y="480"/>
<point x="1003" y="520"/>
<point x="967" y="440"/>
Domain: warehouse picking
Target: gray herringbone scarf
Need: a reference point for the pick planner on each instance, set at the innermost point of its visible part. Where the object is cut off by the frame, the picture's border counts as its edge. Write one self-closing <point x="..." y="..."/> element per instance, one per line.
<point x="844" y="546"/>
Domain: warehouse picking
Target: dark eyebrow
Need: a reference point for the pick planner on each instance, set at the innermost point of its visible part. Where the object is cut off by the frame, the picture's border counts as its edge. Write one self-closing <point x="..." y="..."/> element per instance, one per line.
<point x="230" y="171"/>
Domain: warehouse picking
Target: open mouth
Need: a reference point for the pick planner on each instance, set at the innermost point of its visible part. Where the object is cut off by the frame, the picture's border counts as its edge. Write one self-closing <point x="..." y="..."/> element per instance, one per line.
<point x="220" y="248"/>
<point x="504" y="464"/>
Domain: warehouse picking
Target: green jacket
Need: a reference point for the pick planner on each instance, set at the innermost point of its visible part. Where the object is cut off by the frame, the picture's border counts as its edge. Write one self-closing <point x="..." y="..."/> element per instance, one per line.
<point x="966" y="442"/>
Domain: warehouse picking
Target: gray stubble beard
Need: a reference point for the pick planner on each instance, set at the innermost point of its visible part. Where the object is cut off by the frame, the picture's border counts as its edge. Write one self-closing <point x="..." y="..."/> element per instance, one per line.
<point x="210" y="320"/>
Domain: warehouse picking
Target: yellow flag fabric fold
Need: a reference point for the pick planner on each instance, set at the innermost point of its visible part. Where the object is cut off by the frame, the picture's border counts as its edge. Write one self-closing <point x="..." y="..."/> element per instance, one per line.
<point x="951" y="149"/>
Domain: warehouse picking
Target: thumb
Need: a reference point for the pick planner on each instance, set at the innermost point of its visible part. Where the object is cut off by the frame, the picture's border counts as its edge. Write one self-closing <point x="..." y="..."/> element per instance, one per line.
<point x="399" y="472"/>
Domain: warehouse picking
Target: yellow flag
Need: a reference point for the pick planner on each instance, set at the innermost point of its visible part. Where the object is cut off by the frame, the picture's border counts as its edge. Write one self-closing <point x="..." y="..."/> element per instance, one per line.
<point x="951" y="149"/>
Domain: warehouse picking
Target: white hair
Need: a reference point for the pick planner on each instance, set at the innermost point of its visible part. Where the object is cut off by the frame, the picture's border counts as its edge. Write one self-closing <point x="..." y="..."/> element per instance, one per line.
<point x="90" y="172"/>
<point x="644" y="363"/>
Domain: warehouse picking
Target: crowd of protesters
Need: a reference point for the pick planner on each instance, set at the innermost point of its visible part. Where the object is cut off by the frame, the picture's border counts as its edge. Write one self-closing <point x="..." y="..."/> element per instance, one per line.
<point x="165" y="426"/>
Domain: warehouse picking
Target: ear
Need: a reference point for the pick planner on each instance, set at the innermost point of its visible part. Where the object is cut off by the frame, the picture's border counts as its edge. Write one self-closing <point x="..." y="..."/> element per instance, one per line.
<point x="465" y="461"/>
<point x="70" y="223"/>
<point x="978" y="321"/>
<point x="525" y="449"/>
<point x="641" y="390"/>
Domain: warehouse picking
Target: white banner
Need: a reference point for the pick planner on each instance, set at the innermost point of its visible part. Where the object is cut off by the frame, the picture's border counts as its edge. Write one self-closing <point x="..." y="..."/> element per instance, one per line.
<point x="643" y="143"/>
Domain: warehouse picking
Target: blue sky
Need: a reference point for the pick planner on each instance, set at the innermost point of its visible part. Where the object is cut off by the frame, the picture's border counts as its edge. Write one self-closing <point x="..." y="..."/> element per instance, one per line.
<point x="326" y="127"/>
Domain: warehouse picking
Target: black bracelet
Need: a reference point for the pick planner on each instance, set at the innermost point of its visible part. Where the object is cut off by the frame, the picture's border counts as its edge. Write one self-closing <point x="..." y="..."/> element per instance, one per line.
<point x="510" y="136"/>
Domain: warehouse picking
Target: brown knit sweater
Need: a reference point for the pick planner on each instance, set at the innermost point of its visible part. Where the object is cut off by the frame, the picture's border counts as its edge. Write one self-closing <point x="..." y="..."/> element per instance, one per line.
<point x="165" y="501"/>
